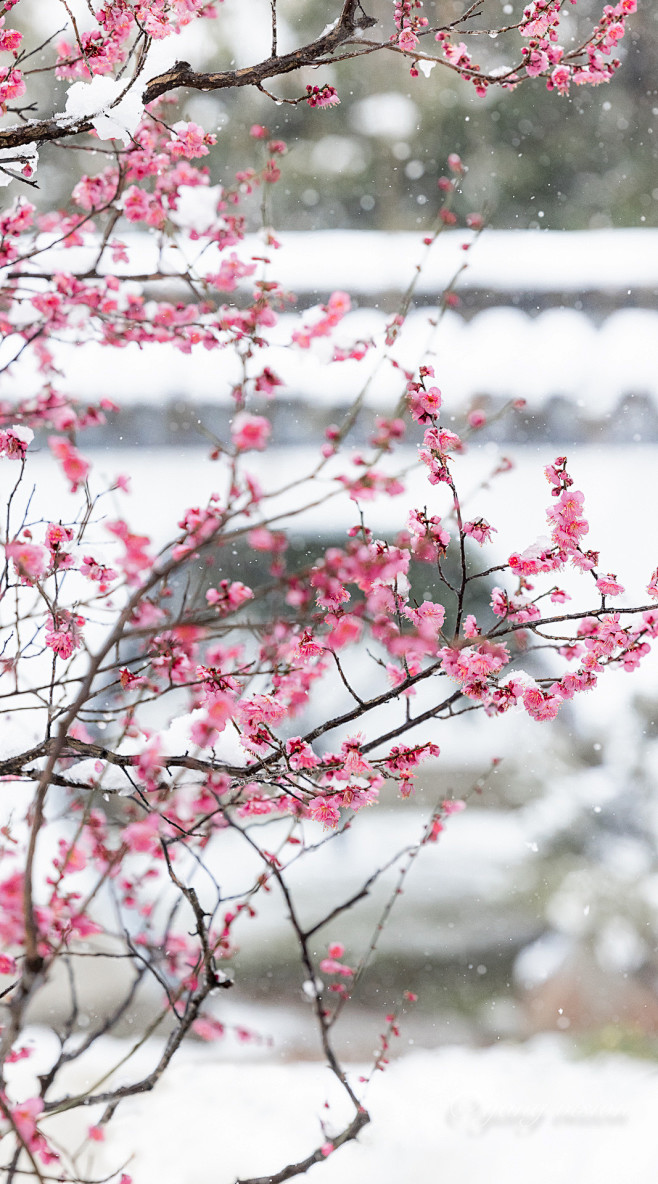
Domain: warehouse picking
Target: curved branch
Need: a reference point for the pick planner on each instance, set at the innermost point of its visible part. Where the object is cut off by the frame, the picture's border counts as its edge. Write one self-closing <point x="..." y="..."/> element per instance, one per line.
<point x="361" y="1119"/>
<point x="350" y="22"/>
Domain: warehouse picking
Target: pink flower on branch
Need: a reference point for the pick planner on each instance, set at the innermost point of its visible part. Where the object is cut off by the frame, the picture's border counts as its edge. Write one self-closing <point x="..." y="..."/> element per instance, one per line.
<point x="250" y="432"/>
<point x="98" y="572"/>
<point x="333" y="965"/>
<point x="14" y="442"/>
<point x="10" y="39"/>
<point x="300" y="754"/>
<point x="539" y="705"/>
<point x="63" y="633"/>
<point x="322" y="96"/>
<point x="25" y="1117"/>
<point x="407" y="40"/>
<point x="75" y="467"/>
<point x="229" y="596"/>
<point x="142" y="836"/>
<point x="428" y="619"/>
<point x="30" y="560"/>
<point x="136" y="559"/>
<point x="190" y="140"/>
<point x="609" y="585"/>
<point x="479" y="530"/>
<point x="325" y="810"/>
<point x="331" y="314"/>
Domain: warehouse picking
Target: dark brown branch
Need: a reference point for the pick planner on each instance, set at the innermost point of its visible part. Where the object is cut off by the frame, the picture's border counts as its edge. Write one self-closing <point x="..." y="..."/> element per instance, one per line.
<point x="181" y="74"/>
<point x="361" y="1119"/>
<point x="350" y="22"/>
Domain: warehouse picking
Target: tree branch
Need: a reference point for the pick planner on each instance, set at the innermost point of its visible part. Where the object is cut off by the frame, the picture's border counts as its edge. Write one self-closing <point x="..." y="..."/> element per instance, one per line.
<point x="350" y="22"/>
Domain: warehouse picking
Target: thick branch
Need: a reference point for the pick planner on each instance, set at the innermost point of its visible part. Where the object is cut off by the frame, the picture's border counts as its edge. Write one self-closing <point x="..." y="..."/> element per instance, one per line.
<point x="351" y="20"/>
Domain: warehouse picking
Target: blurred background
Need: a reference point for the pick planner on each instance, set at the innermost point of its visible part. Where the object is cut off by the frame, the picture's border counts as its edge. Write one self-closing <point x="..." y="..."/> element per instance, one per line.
<point x="551" y="924"/>
<point x="536" y="912"/>
<point x="586" y="162"/>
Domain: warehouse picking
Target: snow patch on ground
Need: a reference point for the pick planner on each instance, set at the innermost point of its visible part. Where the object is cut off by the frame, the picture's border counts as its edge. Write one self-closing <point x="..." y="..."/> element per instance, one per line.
<point x="512" y="1113"/>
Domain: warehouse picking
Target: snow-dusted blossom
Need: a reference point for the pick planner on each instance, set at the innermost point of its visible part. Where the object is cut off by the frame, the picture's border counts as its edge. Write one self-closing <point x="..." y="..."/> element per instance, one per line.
<point x="609" y="585"/>
<point x="14" y="441"/>
<point x="479" y="530"/>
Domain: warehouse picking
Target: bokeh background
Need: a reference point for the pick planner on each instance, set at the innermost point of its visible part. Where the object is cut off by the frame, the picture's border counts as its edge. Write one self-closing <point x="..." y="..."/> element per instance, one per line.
<point x="536" y="912"/>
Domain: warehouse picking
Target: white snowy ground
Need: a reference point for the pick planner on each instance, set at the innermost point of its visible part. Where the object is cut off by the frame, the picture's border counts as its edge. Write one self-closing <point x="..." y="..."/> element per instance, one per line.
<point x="459" y="1116"/>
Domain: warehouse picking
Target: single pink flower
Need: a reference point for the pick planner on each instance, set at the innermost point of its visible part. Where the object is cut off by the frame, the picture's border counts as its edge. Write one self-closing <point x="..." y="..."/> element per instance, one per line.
<point x="30" y="560"/>
<point x="407" y="40"/>
<point x="480" y="530"/>
<point x="74" y="464"/>
<point x="609" y="585"/>
<point x="250" y="431"/>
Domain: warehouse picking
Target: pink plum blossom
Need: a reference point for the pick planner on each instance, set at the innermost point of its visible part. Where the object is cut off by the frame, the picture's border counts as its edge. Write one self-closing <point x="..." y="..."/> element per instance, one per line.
<point x="609" y="585"/>
<point x="30" y="560"/>
<point x="250" y="431"/>
<point x="74" y="465"/>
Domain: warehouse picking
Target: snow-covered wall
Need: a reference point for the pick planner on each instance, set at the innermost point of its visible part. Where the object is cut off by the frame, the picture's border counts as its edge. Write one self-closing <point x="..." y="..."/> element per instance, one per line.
<point x="594" y="352"/>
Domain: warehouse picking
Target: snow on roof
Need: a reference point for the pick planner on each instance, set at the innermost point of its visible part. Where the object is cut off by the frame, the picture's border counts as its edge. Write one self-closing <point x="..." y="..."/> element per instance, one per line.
<point x="511" y="261"/>
<point x="501" y="352"/>
<point x="506" y="261"/>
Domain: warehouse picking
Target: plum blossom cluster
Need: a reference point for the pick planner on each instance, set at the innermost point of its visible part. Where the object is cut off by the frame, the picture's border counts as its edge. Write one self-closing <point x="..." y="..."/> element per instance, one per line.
<point x="219" y="686"/>
<point x="409" y="22"/>
<point x="23" y="1118"/>
<point x="146" y="190"/>
<point x="322" y="96"/>
<point x="330" y="315"/>
<point x="600" y="641"/>
<point x="542" y="55"/>
<point x="116" y="32"/>
<point x="110" y="623"/>
<point x="332" y="965"/>
<point x="119" y="24"/>
<point x="14" y="442"/>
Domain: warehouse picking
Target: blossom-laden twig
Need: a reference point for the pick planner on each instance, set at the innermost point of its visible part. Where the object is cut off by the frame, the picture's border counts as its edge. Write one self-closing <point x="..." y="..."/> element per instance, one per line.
<point x="172" y="704"/>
